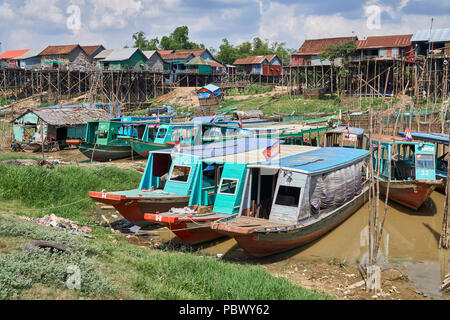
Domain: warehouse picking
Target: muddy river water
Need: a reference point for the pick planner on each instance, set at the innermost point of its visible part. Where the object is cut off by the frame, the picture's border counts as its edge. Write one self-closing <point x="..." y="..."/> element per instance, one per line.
<point x="410" y="241"/>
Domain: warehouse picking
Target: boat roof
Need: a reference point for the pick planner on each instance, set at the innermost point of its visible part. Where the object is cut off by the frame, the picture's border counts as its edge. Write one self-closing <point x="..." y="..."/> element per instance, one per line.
<point x="257" y="155"/>
<point x="388" y="139"/>
<point x="429" y="137"/>
<point x="318" y="160"/>
<point x="222" y="148"/>
<point x="341" y="129"/>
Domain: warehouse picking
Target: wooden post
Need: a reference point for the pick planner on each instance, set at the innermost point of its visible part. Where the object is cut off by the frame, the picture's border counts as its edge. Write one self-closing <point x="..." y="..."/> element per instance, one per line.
<point x="444" y="241"/>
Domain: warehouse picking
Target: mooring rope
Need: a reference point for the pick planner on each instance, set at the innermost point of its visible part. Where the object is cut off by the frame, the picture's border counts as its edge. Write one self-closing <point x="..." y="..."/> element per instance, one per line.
<point x="52" y="208"/>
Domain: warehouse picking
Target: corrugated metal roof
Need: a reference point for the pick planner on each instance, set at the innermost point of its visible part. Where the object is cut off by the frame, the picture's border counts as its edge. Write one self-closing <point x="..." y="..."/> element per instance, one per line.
<point x="70" y="116"/>
<point x="91" y="49"/>
<point x="216" y="64"/>
<point x="197" y="61"/>
<point x="122" y="54"/>
<point x="149" y="53"/>
<point x="30" y="54"/>
<point x="103" y="54"/>
<point x="56" y="50"/>
<point x="165" y="51"/>
<point x="176" y="55"/>
<point x="11" y="54"/>
<point x="393" y="41"/>
<point x="195" y="52"/>
<point x="437" y="35"/>
<point x="211" y="87"/>
<point x="315" y="46"/>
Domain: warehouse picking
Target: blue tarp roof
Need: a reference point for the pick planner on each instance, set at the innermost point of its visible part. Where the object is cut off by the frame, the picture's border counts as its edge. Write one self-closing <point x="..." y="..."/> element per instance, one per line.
<point x="211" y="87"/>
<point x="319" y="159"/>
<point x="222" y="148"/>
<point x="353" y="130"/>
<point x="429" y="137"/>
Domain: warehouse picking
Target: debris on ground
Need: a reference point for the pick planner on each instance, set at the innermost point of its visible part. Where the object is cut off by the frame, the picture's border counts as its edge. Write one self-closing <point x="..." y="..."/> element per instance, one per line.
<point x="61" y="223"/>
<point x="446" y="283"/>
<point x="53" y="246"/>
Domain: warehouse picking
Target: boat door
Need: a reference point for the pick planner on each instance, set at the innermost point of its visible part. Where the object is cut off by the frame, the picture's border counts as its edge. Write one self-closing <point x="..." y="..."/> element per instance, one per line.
<point x="229" y="195"/>
<point x="425" y="156"/>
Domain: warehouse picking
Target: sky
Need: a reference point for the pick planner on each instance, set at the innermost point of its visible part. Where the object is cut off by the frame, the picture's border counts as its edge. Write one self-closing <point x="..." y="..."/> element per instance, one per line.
<point x="35" y="24"/>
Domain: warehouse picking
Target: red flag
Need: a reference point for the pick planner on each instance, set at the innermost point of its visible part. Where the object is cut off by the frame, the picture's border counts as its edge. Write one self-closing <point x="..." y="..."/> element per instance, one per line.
<point x="408" y="135"/>
<point x="272" y="151"/>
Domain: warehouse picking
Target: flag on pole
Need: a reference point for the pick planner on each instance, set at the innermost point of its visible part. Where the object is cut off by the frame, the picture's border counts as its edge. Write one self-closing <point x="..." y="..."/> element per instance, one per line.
<point x="348" y="127"/>
<point x="240" y="123"/>
<point x="177" y="147"/>
<point x="408" y="135"/>
<point x="272" y="151"/>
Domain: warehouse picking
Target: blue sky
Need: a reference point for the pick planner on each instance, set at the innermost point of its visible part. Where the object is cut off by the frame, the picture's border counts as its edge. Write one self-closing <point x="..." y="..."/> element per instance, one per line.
<point x="38" y="23"/>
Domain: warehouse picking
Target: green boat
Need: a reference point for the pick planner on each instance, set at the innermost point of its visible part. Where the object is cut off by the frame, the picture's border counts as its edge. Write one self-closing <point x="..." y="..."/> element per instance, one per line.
<point x="110" y="140"/>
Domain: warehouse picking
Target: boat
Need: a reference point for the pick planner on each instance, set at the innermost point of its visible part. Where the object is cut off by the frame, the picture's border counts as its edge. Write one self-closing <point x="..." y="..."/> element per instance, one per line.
<point x="411" y="176"/>
<point x="349" y="137"/>
<point x="173" y="179"/>
<point x="311" y="194"/>
<point x="192" y="224"/>
<point x="108" y="140"/>
<point x="441" y="142"/>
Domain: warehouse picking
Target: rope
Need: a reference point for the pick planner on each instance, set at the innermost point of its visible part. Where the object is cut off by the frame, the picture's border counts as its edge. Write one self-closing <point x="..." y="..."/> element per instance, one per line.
<point x="52" y="208"/>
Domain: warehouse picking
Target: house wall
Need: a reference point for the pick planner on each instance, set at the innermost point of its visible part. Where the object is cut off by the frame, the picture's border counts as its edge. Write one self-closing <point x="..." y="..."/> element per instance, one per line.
<point x="30" y="63"/>
<point x="207" y="56"/>
<point x="134" y="62"/>
<point x="28" y="118"/>
<point x="78" y="59"/>
<point x="60" y="58"/>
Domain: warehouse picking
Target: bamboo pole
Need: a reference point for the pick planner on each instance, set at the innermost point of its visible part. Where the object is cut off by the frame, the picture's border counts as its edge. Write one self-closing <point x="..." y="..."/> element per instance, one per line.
<point x="444" y="241"/>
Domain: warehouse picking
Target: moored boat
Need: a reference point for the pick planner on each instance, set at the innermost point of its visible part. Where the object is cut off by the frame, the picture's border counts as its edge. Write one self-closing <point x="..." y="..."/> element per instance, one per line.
<point x="441" y="142"/>
<point x="193" y="227"/>
<point x="174" y="182"/>
<point x="313" y="193"/>
<point x="411" y="175"/>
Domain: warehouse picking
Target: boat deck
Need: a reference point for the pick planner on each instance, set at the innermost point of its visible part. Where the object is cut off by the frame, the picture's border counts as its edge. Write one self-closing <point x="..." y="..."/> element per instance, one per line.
<point x="249" y="222"/>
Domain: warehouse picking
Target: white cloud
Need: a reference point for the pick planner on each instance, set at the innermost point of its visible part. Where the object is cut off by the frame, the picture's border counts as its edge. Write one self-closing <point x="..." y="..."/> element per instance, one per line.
<point x="45" y="10"/>
<point x="6" y="12"/>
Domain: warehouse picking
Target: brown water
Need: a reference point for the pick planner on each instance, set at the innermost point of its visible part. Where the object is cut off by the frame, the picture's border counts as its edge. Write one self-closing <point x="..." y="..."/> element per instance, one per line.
<point x="410" y="242"/>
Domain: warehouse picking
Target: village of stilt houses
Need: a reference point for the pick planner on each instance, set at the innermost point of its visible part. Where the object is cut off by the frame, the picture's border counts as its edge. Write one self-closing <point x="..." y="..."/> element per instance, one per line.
<point x="187" y="173"/>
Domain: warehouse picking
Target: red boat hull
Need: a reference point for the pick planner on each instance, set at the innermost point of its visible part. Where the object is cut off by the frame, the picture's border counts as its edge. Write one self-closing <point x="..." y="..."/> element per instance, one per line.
<point x="409" y="194"/>
<point x="260" y="244"/>
<point x="134" y="208"/>
<point x="190" y="232"/>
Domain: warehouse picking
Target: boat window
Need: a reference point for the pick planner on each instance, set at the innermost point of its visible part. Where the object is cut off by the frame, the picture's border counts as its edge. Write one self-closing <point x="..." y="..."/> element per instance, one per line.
<point x="162" y="133"/>
<point x="180" y="174"/>
<point x="288" y="196"/>
<point x="425" y="161"/>
<point x="228" y="186"/>
<point x="103" y="134"/>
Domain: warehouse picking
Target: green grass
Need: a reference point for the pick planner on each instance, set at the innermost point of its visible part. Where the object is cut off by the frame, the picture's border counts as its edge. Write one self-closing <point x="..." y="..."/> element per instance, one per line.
<point x="12" y="156"/>
<point x="111" y="268"/>
<point x="251" y="89"/>
<point x="124" y="271"/>
<point x="38" y="187"/>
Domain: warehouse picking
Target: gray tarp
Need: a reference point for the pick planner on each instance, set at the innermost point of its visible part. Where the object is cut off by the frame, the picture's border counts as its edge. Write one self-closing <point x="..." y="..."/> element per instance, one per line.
<point x="335" y="188"/>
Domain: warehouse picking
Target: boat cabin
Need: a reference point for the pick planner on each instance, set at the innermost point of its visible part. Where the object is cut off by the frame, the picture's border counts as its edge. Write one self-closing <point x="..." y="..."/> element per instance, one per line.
<point x="409" y="160"/>
<point x="212" y="174"/>
<point x="343" y="137"/>
<point x="113" y="132"/>
<point x="441" y="143"/>
<point x="304" y="185"/>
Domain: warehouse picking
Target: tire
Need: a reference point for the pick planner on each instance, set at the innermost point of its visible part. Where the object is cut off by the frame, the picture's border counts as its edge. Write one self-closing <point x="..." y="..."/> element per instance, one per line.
<point x="53" y="246"/>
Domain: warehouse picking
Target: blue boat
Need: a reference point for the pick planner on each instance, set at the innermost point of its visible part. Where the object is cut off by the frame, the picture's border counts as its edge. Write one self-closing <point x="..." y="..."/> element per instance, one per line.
<point x="304" y="196"/>
<point x="441" y="142"/>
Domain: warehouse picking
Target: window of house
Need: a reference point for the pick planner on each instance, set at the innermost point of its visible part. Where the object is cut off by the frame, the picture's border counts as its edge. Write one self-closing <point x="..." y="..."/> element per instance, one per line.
<point x="180" y="174"/>
<point x="288" y="196"/>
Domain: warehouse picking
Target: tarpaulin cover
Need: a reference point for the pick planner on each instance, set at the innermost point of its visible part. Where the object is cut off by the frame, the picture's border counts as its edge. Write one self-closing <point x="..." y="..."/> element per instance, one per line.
<point x="333" y="189"/>
<point x="429" y="137"/>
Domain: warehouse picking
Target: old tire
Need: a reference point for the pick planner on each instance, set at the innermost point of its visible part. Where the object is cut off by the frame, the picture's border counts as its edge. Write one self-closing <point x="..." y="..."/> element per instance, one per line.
<point x="53" y="246"/>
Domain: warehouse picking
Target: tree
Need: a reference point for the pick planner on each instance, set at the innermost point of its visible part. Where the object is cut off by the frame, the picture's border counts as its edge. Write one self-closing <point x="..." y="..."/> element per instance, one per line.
<point x="227" y="52"/>
<point x="177" y="40"/>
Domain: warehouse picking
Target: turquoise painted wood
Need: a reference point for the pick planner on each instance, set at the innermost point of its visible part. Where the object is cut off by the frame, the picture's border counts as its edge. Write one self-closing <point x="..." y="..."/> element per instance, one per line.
<point x="228" y="200"/>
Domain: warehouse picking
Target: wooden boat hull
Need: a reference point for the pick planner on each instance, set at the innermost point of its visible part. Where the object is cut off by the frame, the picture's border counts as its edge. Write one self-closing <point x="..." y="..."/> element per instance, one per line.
<point x="441" y="188"/>
<point x="190" y="231"/>
<point x="264" y="243"/>
<point x="134" y="208"/>
<point x="411" y="194"/>
<point x="105" y="153"/>
<point x="143" y="148"/>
